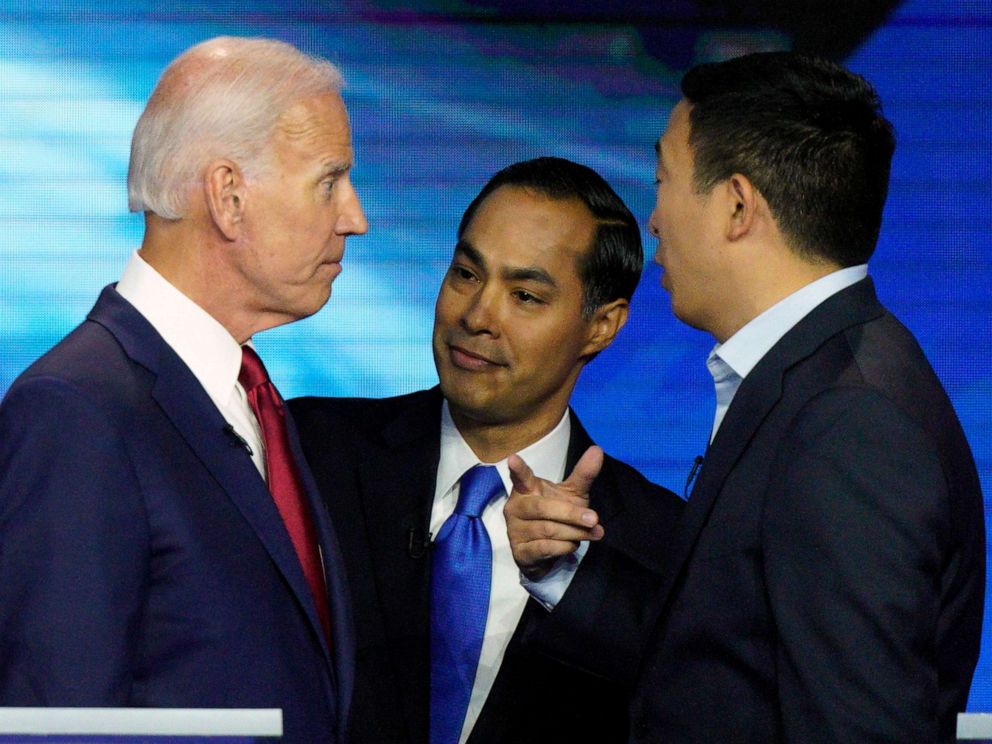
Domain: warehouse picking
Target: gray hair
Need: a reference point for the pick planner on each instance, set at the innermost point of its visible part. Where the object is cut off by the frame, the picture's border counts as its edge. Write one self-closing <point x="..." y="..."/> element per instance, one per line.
<point x="218" y="99"/>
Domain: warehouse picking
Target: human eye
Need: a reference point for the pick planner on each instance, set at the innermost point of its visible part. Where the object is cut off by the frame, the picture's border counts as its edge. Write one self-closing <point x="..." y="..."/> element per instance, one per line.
<point x="460" y="272"/>
<point x="330" y="178"/>
<point x="526" y="298"/>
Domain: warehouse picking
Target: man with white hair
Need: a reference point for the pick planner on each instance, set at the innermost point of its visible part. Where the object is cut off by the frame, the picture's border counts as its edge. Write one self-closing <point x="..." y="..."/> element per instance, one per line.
<point x="161" y="541"/>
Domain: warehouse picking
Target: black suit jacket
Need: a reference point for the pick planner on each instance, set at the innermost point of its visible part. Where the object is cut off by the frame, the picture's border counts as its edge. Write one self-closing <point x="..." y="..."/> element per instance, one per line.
<point x="827" y="578"/>
<point x="376" y="462"/>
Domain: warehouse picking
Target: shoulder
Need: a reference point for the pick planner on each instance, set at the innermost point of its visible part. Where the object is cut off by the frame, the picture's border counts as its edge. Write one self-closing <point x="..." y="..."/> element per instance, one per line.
<point x="633" y="484"/>
<point x="639" y="516"/>
<point x="89" y="367"/>
<point x="355" y="424"/>
<point x="621" y="488"/>
<point x="874" y="376"/>
<point x="362" y="413"/>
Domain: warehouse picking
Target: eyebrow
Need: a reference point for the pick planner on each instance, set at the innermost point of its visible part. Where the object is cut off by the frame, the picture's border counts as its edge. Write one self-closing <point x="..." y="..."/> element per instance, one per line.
<point x="529" y="274"/>
<point x="335" y="168"/>
<point x="469" y="251"/>
<point x="513" y="274"/>
<point x="660" y="167"/>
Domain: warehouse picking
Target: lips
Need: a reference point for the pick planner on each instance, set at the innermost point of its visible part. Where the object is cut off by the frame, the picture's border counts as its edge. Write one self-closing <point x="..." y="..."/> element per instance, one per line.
<point x="463" y="358"/>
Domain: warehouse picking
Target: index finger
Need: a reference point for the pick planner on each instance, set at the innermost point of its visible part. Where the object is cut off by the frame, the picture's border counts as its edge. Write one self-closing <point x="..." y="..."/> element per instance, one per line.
<point x="522" y="477"/>
<point x="586" y="470"/>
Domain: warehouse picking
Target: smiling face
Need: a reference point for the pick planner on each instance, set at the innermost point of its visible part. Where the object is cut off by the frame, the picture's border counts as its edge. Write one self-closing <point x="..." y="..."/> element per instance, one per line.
<point x="688" y="226"/>
<point x="509" y="336"/>
<point x="299" y="211"/>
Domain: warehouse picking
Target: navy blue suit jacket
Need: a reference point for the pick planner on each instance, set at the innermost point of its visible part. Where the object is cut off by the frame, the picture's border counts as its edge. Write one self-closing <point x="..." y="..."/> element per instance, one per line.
<point x="828" y="574"/>
<point x="143" y="561"/>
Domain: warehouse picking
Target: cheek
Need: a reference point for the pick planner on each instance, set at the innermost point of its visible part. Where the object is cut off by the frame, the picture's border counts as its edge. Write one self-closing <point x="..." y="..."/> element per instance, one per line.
<point x="551" y="348"/>
<point x="442" y="308"/>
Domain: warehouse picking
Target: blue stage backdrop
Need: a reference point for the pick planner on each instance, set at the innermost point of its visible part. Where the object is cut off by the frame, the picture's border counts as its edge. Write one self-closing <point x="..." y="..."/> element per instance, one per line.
<point x="442" y="94"/>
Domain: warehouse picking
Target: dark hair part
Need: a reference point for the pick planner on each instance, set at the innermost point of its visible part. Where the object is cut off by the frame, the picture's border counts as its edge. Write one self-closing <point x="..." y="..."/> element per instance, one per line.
<point x="808" y="134"/>
<point x="612" y="265"/>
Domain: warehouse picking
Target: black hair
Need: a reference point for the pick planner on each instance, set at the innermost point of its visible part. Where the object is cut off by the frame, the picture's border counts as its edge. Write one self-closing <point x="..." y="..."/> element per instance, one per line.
<point x="612" y="265"/>
<point x="809" y="135"/>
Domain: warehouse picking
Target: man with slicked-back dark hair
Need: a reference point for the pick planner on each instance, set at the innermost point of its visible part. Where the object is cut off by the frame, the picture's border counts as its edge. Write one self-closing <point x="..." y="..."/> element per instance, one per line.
<point x="546" y="261"/>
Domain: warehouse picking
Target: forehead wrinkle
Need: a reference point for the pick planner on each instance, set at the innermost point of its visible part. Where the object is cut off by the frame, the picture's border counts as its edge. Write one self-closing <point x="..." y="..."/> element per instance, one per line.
<point x="308" y="125"/>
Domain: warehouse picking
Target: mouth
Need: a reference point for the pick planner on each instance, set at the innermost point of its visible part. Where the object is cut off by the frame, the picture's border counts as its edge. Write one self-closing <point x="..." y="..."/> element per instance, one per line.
<point x="330" y="270"/>
<point x="471" y="360"/>
<point x="332" y="261"/>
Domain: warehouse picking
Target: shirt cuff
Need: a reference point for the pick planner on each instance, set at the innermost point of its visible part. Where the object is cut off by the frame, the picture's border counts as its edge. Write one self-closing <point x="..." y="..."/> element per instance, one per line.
<point x="549" y="589"/>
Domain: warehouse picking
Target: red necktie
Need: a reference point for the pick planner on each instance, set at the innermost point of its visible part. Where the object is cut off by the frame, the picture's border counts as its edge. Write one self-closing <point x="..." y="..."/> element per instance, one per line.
<point x="284" y="479"/>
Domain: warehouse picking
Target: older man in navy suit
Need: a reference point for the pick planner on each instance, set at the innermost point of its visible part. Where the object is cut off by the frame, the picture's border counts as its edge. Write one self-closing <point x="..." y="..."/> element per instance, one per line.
<point x="161" y="542"/>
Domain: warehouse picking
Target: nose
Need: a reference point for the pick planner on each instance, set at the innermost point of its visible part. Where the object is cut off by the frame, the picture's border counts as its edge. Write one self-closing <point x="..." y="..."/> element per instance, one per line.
<point x="479" y="315"/>
<point x="655" y="230"/>
<point x="351" y="219"/>
<point x="653" y="223"/>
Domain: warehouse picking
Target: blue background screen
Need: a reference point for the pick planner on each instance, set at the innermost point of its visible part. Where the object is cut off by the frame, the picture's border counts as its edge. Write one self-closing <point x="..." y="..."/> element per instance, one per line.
<point x="443" y="94"/>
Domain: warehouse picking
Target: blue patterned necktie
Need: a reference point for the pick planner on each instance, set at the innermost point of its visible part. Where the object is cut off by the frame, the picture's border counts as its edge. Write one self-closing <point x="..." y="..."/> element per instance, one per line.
<point x="461" y="572"/>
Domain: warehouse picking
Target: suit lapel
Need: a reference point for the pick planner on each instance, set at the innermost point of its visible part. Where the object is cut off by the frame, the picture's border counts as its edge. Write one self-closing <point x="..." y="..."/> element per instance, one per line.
<point x="187" y="405"/>
<point x="397" y="481"/>
<point x="754" y="401"/>
<point x="603" y="495"/>
<point x="339" y="600"/>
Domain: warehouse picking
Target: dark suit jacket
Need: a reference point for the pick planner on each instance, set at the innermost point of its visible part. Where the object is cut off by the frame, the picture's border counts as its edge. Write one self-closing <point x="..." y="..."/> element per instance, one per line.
<point x="143" y="561"/>
<point x="828" y="574"/>
<point x="376" y="462"/>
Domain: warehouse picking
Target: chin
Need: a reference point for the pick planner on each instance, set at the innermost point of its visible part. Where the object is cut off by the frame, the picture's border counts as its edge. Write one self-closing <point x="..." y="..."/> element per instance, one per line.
<point x="316" y="301"/>
<point x="464" y="401"/>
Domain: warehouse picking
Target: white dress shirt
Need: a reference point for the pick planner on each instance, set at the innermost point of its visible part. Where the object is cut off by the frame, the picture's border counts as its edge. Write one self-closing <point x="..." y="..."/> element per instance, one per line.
<point x="730" y="362"/>
<point x="204" y="345"/>
<point x="507" y="597"/>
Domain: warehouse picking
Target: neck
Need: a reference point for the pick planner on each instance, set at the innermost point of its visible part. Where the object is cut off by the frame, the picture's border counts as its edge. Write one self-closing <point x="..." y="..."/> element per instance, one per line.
<point x="766" y="286"/>
<point x="192" y="264"/>
<point x="493" y="442"/>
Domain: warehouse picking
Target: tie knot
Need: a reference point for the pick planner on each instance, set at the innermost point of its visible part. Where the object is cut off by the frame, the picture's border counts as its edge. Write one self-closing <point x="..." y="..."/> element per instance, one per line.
<point x="252" y="372"/>
<point x="479" y="486"/>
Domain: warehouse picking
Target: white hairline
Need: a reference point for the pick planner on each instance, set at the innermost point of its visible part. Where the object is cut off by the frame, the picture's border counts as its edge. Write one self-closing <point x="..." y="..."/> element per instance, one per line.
<point x="219" y="99"/>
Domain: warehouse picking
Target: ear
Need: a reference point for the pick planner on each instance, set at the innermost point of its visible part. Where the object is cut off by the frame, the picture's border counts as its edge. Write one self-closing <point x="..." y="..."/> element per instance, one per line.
<point x="604" y="326"/>
<point x="224" y="185"/>
<point x="742" y="206"/>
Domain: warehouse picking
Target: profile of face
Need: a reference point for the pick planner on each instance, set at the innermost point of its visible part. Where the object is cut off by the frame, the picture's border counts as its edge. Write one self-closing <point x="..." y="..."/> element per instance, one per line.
<point x="689" y="230"/>
<point x="299" y="210"/>
<point x="509" y="335"/>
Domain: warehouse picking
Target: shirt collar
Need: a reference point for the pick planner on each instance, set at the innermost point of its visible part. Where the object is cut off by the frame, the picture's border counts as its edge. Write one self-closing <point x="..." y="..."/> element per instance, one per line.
<point x="546" y="456"/>
<point x="742" y="351"/>
<point x="204" y="345"/>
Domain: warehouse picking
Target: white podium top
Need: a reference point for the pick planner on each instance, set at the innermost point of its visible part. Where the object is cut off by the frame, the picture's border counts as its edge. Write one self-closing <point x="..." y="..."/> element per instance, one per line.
<point x="974" y="726"/>
<point x="143" y="721"/>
